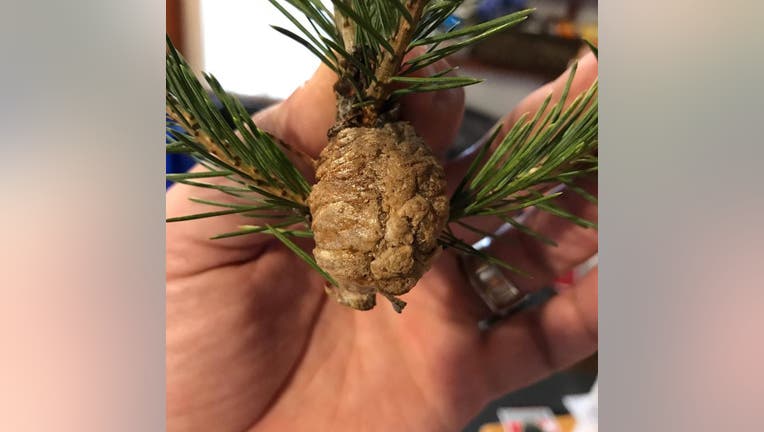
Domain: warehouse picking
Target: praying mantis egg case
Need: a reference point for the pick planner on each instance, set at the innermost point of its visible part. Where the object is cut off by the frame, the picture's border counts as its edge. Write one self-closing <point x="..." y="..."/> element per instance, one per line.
<point x="377" y="209"/>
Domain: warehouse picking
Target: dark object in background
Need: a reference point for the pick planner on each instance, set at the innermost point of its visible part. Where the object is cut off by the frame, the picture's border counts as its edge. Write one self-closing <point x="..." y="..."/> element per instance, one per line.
<point x="548" y="393"/>
<point x="545" y="55"/>
<point x="490" y="9"/>
<point x="475" y="124"/>
<point x="176" y="163"/>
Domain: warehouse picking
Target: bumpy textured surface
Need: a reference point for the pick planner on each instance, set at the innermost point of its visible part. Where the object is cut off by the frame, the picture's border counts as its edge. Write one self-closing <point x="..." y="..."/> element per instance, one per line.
<point x="378" y="208"/>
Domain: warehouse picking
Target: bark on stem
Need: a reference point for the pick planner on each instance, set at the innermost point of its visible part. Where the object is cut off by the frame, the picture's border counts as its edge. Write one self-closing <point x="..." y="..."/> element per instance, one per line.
<point x="380" y="89"/>
<point x="347" y="30"/>
<point x="253" y="175"/>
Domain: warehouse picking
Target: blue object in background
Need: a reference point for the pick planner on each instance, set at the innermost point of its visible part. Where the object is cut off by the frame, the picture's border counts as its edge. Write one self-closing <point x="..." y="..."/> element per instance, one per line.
<point x="490" y="9"/>
<point x="450" y="23"/>
<point x="177" y="163"/>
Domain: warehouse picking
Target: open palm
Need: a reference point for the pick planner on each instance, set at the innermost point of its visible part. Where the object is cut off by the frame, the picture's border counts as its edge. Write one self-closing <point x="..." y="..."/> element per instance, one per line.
<point x="253" y="343"/>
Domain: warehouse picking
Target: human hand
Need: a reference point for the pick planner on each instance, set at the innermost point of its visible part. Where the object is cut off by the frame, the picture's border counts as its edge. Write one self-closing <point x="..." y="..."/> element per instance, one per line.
<point x="254" y="343"/>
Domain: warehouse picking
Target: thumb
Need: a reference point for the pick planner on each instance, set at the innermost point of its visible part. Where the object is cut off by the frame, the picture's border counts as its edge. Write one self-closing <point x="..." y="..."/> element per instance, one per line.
<point x="436" y="116"/>
<point x="303" y="119"/>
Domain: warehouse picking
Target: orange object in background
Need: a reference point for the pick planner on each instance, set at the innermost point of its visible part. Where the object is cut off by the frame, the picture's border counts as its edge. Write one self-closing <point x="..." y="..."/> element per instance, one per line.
<point x="565" y="29"/>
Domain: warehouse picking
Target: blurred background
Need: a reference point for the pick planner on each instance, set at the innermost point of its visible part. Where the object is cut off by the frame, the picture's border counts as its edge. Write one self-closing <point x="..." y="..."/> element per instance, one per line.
<point x="232" y="39"/>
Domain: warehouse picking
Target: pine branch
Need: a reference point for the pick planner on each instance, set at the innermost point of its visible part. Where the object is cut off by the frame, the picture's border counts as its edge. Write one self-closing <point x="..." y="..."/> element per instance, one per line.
<point x="365" y="42"/>
<point x="251" y="162"/>
<point x="390" y="62"/>
<point x="246" y="153"/>
<point x="553" y="147"/>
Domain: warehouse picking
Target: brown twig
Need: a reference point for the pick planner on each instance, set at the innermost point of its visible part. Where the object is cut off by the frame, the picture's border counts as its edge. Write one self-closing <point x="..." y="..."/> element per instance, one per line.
<point x="346" y="28"/>
<point x="379" y="90"/>
<point x="343" y="88"/>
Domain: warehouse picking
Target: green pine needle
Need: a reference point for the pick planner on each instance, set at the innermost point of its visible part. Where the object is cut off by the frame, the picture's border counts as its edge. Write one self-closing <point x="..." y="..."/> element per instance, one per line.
<point x="449" y="240"/>
<point x="592" y="47"/>
<point x="433" y="83"/>
<point x="207" y="215"/>
<point x="195" y="175"/>
<point x="482" y="29"/>
<point x="265" y="229"/>
<point x="281" y="235"/>
<point x="528" y="231"/>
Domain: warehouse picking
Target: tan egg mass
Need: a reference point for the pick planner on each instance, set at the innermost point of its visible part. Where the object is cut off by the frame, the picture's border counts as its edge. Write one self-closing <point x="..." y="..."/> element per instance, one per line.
<point x="377" y="209"/>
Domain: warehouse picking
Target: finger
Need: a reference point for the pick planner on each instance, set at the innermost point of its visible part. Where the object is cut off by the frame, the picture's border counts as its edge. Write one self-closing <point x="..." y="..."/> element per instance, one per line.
<point x="436" y="116"/>
<point x="303" y="119"/>
<point x="557" y="335"/>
